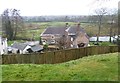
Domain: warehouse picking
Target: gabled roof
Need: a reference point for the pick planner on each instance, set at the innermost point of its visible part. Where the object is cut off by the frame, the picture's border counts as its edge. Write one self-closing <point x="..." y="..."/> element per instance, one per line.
<point x="72" y="30"/>
<point x="55" y="30"/>
<point x="19" y="46"/>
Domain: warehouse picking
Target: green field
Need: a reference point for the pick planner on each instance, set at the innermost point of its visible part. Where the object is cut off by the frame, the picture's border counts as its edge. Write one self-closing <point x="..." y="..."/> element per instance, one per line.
<point x="37" y="28"/>
<point x="29" y="29"/>
<point x="93" y="68"/>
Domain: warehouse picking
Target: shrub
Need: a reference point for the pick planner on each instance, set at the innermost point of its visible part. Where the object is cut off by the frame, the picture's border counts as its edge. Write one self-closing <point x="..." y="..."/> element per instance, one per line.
<point x="45" y="46"/>
<point x="106" y="44"/>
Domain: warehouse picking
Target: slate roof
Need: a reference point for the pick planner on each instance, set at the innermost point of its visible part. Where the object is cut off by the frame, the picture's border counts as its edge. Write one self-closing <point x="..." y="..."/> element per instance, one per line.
<point x="61" y="30"/>
<point x="55" y="30"/>
<point x="19" y="46"/>
<point x="36" y="48"/>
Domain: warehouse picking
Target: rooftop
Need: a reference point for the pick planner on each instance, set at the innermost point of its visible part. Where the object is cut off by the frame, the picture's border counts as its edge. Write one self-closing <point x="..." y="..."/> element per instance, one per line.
<point x="19" y="46"/>
<point x="55" y="30"/>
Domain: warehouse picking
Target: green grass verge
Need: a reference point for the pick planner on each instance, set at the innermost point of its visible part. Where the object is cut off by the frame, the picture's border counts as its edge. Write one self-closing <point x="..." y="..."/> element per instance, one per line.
<point x="93" y="68"/>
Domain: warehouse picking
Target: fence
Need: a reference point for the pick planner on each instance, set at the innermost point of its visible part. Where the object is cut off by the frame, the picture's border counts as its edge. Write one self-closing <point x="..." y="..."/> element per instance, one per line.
<point x="57" y="56"/>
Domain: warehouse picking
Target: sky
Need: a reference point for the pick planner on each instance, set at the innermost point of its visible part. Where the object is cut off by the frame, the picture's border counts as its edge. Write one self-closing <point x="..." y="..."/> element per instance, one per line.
<point x="56" y="7"/>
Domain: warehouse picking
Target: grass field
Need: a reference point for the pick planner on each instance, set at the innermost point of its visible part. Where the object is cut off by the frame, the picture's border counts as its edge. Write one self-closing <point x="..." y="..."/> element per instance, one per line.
<point x="93" y="68"/>
<point x="30" y="28"/>
<point x="38" y="27"/>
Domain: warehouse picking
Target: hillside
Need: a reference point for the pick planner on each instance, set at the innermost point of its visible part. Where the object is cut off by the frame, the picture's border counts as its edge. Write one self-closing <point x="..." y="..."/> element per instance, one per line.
<point x="93" y="68"/>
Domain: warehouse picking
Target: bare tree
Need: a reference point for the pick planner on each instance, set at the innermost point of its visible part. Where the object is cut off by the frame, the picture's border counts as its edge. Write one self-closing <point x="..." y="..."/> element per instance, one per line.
<point x="17" y="22"/>
<point x="11" y="23"/>
<point x="112" y="13"/>
<point x="100" y="13"/>
<point x="7" y="31"/>
<point x="64" y="42"/>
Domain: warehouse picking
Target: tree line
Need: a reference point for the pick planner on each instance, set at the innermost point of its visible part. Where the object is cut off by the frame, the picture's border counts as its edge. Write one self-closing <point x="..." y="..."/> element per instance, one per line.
<point x="80" y="18"/>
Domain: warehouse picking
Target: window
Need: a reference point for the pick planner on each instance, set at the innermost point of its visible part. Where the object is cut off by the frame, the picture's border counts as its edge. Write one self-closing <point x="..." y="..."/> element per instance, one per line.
<point x="52" y="41"/>
<point x="71" y="39"/>
<point x="43" y="40"/>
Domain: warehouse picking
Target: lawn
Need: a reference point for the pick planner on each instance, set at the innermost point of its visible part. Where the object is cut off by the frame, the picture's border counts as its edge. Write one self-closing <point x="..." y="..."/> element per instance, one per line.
<point x="93" y="68"/>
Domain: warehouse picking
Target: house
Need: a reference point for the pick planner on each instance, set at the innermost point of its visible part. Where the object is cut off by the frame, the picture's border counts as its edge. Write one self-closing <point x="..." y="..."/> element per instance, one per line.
<point x="20" y="48"/>
<point x="23" y="48"/>
<point x="3" y="45"/>
<point x="74" y="36"/>
<point x="78" y="36"/>
<point x="35" y="47"/>
<point x="52" y="34"/>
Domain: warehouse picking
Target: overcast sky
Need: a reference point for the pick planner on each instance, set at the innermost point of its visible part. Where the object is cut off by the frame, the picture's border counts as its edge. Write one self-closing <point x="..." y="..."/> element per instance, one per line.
<point x="55" y="7"/>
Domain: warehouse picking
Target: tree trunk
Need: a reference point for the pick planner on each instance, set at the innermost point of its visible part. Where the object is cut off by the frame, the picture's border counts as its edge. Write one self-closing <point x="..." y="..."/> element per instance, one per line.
<point x="111" y="31"/>
<point x="99" y="25"/>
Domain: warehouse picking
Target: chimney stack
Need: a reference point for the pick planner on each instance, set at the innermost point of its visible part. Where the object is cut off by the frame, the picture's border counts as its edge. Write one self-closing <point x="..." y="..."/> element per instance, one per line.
<point x="78" y="27"/>
<point x="78" y="24"/>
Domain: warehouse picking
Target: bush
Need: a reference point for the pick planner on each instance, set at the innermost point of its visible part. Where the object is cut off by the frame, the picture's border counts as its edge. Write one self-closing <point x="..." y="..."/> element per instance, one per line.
<point x="45" y="46"/>
<point x="106" y="44"/>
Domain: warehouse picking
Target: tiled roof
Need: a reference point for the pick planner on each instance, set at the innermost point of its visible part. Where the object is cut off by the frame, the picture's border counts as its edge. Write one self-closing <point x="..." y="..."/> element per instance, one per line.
<point x="55" y="30"/>
<point x="62" y="29"/>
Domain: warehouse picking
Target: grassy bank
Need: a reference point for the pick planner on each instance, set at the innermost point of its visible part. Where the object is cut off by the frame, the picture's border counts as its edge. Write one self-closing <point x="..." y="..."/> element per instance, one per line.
<point x="98" y="67"/>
